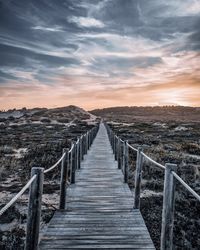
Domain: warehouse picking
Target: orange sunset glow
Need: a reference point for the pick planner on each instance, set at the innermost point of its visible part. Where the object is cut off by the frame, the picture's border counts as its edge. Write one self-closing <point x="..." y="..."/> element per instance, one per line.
<point x="96" y="54"/>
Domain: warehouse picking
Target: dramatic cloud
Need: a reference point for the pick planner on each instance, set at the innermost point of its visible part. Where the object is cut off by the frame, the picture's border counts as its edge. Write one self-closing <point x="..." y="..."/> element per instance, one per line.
<point x="86" y="22"/>
<point x="87" y="52"/>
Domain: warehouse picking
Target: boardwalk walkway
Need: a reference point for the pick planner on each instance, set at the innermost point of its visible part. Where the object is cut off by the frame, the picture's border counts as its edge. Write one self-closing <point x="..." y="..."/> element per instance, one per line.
<point x="99" y="208"/>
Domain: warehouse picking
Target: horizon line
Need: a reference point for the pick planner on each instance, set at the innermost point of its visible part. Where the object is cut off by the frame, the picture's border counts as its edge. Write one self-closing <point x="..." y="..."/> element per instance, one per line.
<point x="108" y="107"/>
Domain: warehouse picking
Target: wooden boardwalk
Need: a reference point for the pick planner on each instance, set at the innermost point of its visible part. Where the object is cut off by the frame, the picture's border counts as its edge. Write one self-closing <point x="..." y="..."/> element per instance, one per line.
<point x="99" y="210"/>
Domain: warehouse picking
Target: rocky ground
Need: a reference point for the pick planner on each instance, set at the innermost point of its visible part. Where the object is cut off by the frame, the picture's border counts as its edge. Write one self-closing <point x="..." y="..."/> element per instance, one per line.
<point x="33" y="138"/>
<point x="167" y="135"/>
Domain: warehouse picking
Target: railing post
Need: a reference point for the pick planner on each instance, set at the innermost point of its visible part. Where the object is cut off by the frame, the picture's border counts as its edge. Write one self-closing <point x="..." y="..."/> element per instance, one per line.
<point x="86" y="147"/>
<point x="111" y="139"/>
<point x="118" y="152"/>
<point x="168" y="208"/>
<point x="68" y="165"/>
<point x="88" y="134"/>
<point x="138" y="178"/>
<point x="77" y="154"/>
<point x="116" y="147"/>
<point x="126" y="163"/>
<point x="34" y="209"/>
<point x="71" y="162"/>
<point x="114" y="144"/>
<point x="93" y="134"/>
<point x="63" y="180"/>
<point x="73" y="155"/>
<point x="108" y="131"/>
<point x="82" y="147"/>
<point x="88" y="138"/>
<point x="123" y="156"/>
<point x="121" y="148"/>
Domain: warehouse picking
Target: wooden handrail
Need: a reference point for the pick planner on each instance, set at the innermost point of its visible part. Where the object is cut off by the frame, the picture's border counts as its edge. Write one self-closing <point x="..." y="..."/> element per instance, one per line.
<point x="17" y="196"/>
<point x="70" y="162"/>
<point x="169" y="184"/>
<point x="34" y="209"/>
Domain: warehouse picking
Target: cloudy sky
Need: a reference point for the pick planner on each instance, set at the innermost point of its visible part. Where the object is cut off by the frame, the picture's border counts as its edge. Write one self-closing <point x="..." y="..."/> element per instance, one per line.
<point x="99" y="53"/>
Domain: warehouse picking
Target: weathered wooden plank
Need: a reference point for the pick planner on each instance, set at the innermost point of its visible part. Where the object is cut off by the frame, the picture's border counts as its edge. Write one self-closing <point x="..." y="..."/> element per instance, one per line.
<point x="121" y="247"/>
<point x="98" y="237"/>
<point x="99" y="242"/>
<point x="100" y="246"/>
<point x="99" y="210"/>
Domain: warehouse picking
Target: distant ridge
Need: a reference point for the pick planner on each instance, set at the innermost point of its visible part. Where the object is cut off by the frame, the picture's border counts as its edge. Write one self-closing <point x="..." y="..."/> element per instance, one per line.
<point x="156" y="113"/>
<point x="61" y="114"/>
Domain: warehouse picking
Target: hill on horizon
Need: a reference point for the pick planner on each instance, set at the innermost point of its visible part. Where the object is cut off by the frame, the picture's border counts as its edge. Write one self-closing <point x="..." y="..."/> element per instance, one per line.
<point x="127" y="114"/>
<point x="149" y="113"/>
<point x="67" y="114"/>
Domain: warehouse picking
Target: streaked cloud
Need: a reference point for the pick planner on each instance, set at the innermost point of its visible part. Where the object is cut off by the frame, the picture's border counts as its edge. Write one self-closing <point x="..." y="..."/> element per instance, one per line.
<point x="86" y="21"/>
<point x="53" y="29"/>
<point x="64" y="51"/>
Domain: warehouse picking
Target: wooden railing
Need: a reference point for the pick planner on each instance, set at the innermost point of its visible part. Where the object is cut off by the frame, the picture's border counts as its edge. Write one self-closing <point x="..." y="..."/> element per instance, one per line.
<point x="70" y="161"/>
<point x="121" y="153"/>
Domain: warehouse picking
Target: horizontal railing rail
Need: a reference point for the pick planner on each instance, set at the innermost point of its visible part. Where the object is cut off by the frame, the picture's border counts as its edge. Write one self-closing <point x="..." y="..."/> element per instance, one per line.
<point x="131" y="147"/>
<point x="55" y="165"/>
<point x="70" y="162"/>
<point x="120" y="150"/>
<point x="178" y="178"/>
<point x="152" y="161"/>
<point x="17" y="196"/>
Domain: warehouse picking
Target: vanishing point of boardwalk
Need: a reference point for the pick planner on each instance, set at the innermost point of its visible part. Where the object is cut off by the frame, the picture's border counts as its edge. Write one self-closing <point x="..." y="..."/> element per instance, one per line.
<point x="99" y="210"/>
